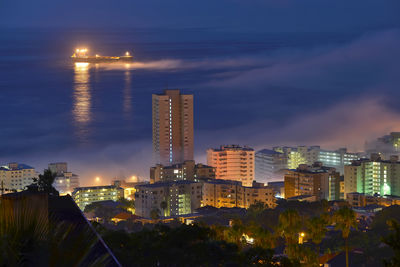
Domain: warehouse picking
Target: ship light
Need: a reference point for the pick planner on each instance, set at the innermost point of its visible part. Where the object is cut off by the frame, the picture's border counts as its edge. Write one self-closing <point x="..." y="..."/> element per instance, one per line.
<point x="127" y="54"/>
<point x="97" y="55"/>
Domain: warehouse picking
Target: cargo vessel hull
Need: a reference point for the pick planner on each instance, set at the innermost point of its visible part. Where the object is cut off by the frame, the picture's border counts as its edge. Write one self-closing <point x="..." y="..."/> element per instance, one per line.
<point x="125" y="59"/>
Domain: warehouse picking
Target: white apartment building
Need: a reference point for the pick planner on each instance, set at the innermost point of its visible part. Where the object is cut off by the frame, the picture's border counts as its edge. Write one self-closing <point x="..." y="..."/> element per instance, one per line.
<point x="233" y="162"/>
<point x="16" y="176"/>
<point x="65" y="181"/>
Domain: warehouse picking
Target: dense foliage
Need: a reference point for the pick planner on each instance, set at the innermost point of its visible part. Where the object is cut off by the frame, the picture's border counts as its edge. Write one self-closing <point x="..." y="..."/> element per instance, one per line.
<point x="253" y="237"/>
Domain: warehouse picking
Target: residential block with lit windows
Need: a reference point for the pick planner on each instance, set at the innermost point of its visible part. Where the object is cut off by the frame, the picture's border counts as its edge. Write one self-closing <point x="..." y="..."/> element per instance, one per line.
<point x="187" y="170"/>
<point x="373" y="176"/>
<point x="233" y="162"/>
<point x="356" y="199"/>
<point x="168" y="199"/>
<point x="16" y="177"/>
<point x="86" y="195"/>
<point x="231" y="194"/>
<point x="310" y="154"/>
<point x="128" y="187"/>
<point x="65" y="181"/>
<point x="316" y="181"/>
<point x="172" y="127"/>
<point x="270" y="165"/>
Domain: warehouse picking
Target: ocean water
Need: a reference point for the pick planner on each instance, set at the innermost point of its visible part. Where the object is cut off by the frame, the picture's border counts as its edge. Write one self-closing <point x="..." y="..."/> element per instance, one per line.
<point x="98" y="117"/>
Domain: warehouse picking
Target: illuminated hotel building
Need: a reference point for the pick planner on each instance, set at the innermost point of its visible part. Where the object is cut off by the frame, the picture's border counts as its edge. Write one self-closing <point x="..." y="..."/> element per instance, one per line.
<point x="87" y="195"/>
<point x="16" y="176"/>
<point x="337" y="159"/>
<point x="299" y="155"/>
<point x="168" y="199"/>
<point x="315" y="180"/>
<point x="233" y="163"/>
<point x="310" y="154"/>
<point x="65" y="181"/>
<point x="187" y="170"/>
<point x="373" y="176"/>
<point x="270" y="165"/>
<point x="231" y="194"/>
<point x="172" y="127"/>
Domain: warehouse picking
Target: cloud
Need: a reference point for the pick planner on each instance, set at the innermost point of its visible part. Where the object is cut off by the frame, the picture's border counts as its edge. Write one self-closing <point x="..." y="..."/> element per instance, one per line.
<point x="177" y="64"/>
<point x="365" y="63"/>
<point x="347" y="124"/>
<point x="108" y="162"/>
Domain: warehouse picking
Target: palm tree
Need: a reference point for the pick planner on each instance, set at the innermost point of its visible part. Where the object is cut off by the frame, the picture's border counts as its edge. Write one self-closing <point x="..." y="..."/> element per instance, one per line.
<point x="345" y="219"/>
<point x="289" y="226"/>
<point x="29" y="237"/>
<point x="262" y="237"/>
<point x="155" y="214"/>
<point x="393" y="241"/>
<point x="316" y="230"/>
<point x="126" y="204"/>
<point x="234" y="234"/>
<point x="44" y="183"/>
<point x="163" y="206"/>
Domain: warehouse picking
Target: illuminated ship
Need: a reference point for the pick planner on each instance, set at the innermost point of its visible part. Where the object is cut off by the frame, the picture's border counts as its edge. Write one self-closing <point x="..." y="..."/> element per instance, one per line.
<point x="80" y="55"/>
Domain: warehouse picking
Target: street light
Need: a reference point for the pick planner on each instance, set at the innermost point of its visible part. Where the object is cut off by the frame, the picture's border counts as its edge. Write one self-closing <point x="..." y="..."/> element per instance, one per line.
<point x="301" y="237"/>
<point x="97" y="179"/>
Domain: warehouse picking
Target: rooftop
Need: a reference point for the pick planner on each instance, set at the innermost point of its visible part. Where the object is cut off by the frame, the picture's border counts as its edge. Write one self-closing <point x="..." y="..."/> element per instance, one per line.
<point x="167" y="183"/>
<point x="232" y="147"/>
<point x="16" y="167"/>
<point x="97" y="187"/>
<point x="269" y="152"/>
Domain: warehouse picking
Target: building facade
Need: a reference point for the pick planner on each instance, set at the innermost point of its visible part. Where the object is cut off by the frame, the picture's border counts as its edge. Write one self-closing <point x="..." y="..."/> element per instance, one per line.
<point x="310" y="154"/>
<point x="84" y="196"/>
<point x="128" y="187"/>
<point x="167" y="199"/>
<point x="337" y="158"/>
<point x="16" y="177"/>
<point x="65" y="181"/>
<point x="270" y="165"/>
<point x="233" y="163"/>
<point x="172" y="127"/>
<point x="373" y="176"/>
<point x="315" y="180"/>
<point x="232" y="194"/>
<point x="299" y="155"/>
<point x="361" y="200"/>
<point x="187" y="170"/>
<point x="386" y="145"/>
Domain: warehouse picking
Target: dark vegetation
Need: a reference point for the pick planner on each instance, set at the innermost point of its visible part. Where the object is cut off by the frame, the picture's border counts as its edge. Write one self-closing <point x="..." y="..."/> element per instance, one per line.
<point x="211" y="242"/>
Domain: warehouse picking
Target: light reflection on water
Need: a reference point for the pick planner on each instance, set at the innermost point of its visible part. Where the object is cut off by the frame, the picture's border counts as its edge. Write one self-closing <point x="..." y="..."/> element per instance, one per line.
<point x="127" y="105"/>
<point x="81" y="99"/>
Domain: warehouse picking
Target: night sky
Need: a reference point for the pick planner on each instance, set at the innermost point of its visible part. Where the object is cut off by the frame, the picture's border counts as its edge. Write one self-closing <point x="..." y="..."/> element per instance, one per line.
<point x="257" y="15"/>
<point x="263" y="73"/>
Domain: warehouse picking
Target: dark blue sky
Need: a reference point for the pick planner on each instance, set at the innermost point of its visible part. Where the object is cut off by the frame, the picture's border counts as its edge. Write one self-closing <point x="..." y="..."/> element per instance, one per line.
<point x="259" y="15"/>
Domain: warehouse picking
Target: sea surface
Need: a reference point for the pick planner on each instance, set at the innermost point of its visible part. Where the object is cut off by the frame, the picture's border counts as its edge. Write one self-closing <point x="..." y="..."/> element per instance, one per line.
<point x="98" y="117"/>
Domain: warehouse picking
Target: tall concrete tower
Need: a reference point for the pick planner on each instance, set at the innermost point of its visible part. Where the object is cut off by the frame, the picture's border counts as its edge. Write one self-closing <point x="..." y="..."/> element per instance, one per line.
<point x="172" y="127"/>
